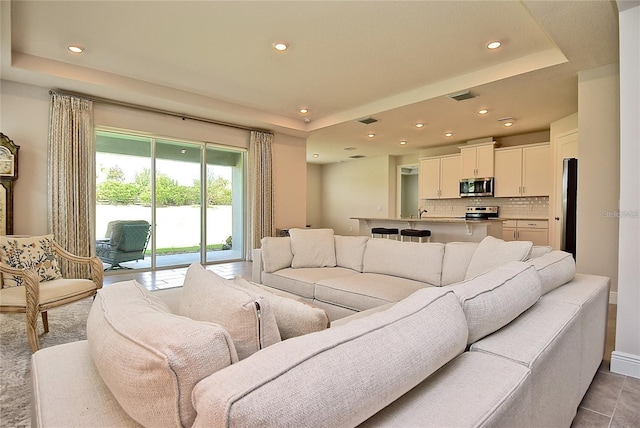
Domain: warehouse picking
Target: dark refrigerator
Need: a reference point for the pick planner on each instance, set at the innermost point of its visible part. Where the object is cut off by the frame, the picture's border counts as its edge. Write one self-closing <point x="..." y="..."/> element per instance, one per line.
<point x="569" y="205"/>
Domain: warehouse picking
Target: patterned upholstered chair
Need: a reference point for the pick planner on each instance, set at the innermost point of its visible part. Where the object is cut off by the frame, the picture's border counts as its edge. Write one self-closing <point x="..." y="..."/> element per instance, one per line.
<point x="126" y="241"/>
<point x="32" y="282"/>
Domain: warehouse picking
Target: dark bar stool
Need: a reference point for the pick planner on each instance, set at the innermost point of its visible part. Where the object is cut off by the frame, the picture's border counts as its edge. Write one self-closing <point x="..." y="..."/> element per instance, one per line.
<point x="384" y="232"/>
<point x="420" y="234"/>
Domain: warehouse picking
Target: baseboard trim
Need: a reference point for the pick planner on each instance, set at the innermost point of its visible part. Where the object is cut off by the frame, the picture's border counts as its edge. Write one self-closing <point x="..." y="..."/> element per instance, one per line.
<point x="613" y="297"/>
<point x="625" y="364"/>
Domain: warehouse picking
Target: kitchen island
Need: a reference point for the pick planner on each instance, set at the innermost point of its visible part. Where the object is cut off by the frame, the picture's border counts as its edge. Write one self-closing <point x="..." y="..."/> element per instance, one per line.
<point x="443" y="229"/>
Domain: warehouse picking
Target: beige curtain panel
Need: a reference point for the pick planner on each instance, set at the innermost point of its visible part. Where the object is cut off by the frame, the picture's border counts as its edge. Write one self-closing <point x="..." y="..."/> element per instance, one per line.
<point x="71" y="157"/>
<point x="261" y="182"/>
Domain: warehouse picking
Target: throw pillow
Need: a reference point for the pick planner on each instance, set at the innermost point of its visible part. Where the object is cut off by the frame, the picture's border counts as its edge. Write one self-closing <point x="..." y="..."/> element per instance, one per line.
<point x="294" y="318"/>
<point x="555" y="269"/>
<point x="247" y="316"/>
<point x="494" y="299"/>
<point x="312" y="248"/>
<point x="34" y="252"/>
<point x="493" y="252"/>
<point x="149" y="358"/>
<point x="276" y="253"/>
<point x="350" y="251"/>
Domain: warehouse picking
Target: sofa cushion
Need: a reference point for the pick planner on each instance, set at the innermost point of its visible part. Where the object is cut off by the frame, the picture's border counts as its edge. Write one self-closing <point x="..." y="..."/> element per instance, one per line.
<point x="412" y="260"/>
<point x="494" y="299"/>
<point x="312" y="248"/>
<point x="33" y="252"/>
<point x="366" y="291"/>
<point x="472" y="390"/>
<point x="555" y="269"/>
<point x="294" y="318"/>
<point x="302" y="281"/>
<point x="350" y="251"/>
<point x="340" y="376"/>
<point x="149" y="358"/>
<point x="493" y="252"/>
<point x="247" y="316"/>
<point x="457" y="256"/>
<point x="276" y="253"/>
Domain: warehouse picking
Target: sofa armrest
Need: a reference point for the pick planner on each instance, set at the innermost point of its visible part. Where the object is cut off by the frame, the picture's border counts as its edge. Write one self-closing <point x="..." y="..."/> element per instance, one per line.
<point x="257" y="267"/>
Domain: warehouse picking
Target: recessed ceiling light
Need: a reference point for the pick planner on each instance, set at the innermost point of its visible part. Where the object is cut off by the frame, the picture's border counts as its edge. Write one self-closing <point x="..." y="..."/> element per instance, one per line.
<point x="371" y="135"/>
<point x="304" y="110"/>
<point x="449" y="134"/>
<point x="483" y="111"/>
<point x="402" y="143"/>
<point x="315" y="155"/>
<point x="419" y="125"/>
<point x="494" y="45"/>
<point x="280" y="46"/>
<point x="75" y="48"/>
<point x="507" y="124"/>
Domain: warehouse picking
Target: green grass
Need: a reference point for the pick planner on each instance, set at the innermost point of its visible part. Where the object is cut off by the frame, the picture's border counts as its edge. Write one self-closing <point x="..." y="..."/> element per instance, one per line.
<point x="181" y="250"/>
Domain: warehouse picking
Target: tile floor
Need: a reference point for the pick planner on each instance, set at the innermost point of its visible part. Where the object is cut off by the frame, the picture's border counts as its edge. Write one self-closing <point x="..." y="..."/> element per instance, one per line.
<point x="612" y="400"/>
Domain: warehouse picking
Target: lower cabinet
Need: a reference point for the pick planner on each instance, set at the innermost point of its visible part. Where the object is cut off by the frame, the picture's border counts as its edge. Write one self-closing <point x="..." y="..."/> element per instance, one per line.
<point x="536" y="231"/>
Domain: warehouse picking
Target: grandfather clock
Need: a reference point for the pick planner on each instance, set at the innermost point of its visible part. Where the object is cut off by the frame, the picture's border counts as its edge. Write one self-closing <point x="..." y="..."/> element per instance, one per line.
<point x="8" y="174"/>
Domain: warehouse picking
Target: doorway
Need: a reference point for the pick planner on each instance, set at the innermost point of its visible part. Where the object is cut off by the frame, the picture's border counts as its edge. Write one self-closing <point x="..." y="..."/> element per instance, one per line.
<point x="407" y="204"/>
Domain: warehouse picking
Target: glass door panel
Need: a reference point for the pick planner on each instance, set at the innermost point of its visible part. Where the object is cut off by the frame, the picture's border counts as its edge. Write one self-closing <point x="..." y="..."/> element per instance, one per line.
<point x="123" y="189"/>
<point x="225" y="202"/>
<point x="178" y="203"/>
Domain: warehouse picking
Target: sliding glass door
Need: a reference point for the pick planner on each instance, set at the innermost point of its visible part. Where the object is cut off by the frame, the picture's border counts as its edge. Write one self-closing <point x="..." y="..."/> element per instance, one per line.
<point x="189" y="193"/>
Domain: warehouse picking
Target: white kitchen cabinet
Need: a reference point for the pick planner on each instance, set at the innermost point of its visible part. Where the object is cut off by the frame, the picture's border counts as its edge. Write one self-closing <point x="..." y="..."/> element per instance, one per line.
<point x="523" y="171"/>
<point x="440" y="177"/>
<point x="477" y="160"/>
<point x="536" y="231"/>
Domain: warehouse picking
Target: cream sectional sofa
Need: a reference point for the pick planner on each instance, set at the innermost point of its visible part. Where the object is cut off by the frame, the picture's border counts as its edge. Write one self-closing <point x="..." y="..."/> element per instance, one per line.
<point x="515" y="345"/>
<point x="349" y="274"/>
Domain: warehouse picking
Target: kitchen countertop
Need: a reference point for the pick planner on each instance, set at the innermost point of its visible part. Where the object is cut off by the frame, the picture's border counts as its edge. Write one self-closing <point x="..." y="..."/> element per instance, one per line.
<point x="449" y="219"/>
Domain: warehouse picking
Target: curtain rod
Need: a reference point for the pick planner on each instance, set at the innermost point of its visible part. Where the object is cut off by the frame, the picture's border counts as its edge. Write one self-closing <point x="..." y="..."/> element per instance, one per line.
<point x="156" y="110"/>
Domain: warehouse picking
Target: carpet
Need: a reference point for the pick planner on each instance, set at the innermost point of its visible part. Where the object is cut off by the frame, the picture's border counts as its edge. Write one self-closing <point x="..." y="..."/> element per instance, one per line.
<point x="66" y="324"/>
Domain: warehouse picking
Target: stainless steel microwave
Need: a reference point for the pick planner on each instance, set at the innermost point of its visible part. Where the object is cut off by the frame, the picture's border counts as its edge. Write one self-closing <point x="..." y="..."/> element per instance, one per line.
<point x="470" y="187"/>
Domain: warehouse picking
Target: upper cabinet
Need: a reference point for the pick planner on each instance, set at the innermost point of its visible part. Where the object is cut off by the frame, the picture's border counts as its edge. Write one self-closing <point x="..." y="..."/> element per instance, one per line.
<point x="523" y="171"/>
<point x="440" y="177"/>
<point x="477" y="160"/>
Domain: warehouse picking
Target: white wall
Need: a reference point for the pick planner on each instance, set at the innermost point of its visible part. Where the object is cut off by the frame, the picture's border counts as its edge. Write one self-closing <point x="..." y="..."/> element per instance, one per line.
<point x="24" y="117"/>
<point x="626" y="356"/>
<point x="290" y="181"/>
<point x="314" y="195"/>
<point x="598" y="172"/>
<point x="359" y="188"/>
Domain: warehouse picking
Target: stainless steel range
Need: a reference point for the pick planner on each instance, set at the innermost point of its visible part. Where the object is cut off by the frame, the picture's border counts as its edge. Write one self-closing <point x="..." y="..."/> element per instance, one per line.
<point x="480" y="213"/>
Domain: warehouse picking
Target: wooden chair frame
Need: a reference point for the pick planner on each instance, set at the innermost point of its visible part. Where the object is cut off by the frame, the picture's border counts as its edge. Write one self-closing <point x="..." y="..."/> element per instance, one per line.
<point x="31" y="284"/>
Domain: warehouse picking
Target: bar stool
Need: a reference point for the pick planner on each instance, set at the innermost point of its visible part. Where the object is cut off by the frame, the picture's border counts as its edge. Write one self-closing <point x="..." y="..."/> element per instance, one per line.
<point x="418" y="233"/>
<point x="384" y="232"/>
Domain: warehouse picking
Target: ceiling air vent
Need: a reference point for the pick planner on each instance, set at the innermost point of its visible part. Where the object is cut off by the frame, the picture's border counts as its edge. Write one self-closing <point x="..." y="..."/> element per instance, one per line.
<point x="356" y="157"/>
<point x="368" y="120"/>
<point x="463" y="95"/>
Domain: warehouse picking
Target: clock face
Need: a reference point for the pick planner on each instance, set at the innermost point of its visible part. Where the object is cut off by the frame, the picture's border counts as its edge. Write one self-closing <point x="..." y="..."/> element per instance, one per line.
<point x="6" y="162"/>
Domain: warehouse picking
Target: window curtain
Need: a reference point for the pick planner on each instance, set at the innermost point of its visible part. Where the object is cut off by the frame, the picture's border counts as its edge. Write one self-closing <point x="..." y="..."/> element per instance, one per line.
<point x="71" y="172"/>
<point x="261" y="180"/>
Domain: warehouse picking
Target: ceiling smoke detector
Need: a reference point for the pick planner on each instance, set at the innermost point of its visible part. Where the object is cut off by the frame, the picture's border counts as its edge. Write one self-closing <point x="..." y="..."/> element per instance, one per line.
<point x="462" y="95"/>
<point x="368" y="120"/>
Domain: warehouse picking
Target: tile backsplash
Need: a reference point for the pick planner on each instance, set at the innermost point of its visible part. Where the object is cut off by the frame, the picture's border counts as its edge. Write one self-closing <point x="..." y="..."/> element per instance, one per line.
<point x="531" y="207"/>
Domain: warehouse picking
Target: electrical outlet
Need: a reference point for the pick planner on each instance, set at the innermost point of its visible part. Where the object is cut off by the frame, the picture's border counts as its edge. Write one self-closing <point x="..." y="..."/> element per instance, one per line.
<point x="379" y="209"/>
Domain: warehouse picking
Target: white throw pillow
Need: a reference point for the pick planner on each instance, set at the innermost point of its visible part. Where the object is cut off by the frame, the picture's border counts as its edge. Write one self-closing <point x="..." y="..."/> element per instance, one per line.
<point x="276" y="253"/>
<point x="150" y="358"/>
<point x="294" y="318"/>
<point x="312" y="248"/>
<point x="494" y="299"/>
<point x="555" y="269"/>
<point x="493" y="252"/>
<point x="350" y="251"/>
<point x="247" y="316"/>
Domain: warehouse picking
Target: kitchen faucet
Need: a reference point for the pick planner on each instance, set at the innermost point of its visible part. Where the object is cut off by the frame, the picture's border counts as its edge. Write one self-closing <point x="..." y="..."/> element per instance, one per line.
<point x="420" y="212"/>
